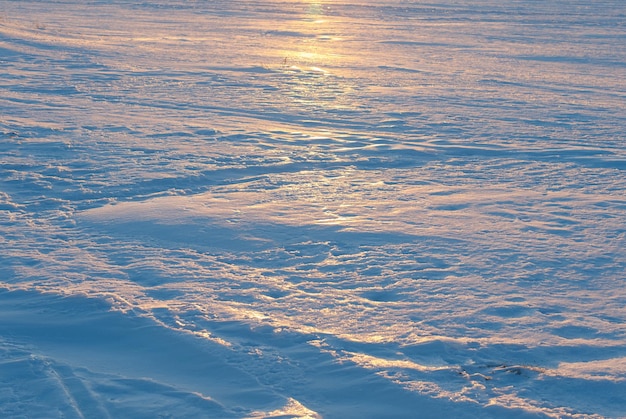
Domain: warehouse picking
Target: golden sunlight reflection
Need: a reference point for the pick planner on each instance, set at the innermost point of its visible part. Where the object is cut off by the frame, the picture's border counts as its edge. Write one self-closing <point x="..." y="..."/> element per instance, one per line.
<point x="315" y="11"/>
<point x="310" y="48"/>
<point x="312" y="42"/>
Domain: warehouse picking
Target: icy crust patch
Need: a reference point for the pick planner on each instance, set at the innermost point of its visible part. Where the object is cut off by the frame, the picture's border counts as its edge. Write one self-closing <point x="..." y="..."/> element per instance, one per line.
<point x="613" y="369"/>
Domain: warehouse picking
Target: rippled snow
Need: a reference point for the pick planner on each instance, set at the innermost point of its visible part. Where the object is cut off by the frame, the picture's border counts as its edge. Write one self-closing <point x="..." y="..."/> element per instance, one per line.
<point x="361" y="209"/>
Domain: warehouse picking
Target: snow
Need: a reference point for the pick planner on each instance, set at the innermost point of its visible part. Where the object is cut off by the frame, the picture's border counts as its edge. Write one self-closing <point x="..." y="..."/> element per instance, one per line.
<point x="312" y="209"/>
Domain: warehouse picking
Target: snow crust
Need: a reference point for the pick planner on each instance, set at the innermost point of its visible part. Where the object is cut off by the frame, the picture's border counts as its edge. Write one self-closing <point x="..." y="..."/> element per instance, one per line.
<point x="313" y="209"/>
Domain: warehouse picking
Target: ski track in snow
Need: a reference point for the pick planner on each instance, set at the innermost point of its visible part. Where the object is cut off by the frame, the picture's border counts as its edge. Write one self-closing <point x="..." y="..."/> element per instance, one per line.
<point x="312" y="209"/>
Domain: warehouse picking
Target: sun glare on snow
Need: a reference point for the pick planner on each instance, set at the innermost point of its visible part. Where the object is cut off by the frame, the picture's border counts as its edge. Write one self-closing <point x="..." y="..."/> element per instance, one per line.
<point x="313" y="42"/>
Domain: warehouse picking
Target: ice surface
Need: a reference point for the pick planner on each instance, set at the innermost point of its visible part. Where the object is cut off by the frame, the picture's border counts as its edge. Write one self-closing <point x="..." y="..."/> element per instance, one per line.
<point x="312" y="209"/>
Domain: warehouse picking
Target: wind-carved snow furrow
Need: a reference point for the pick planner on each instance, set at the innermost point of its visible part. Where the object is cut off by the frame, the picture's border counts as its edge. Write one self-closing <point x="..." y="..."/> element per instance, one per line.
<point x="37" y="380"/>
<point x="81" y="398"/>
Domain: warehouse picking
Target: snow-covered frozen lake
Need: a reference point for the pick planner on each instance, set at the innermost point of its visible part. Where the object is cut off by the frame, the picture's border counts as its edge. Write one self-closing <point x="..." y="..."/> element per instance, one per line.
<point x="313" y="209"/>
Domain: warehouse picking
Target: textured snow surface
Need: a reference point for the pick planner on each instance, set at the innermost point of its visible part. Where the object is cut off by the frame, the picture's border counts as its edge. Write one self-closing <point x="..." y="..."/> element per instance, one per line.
<point x="313" y="209"/>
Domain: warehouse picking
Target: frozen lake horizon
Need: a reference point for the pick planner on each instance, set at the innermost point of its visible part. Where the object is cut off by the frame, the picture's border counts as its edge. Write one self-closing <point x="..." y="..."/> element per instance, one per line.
<point x="313" y="209"/>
